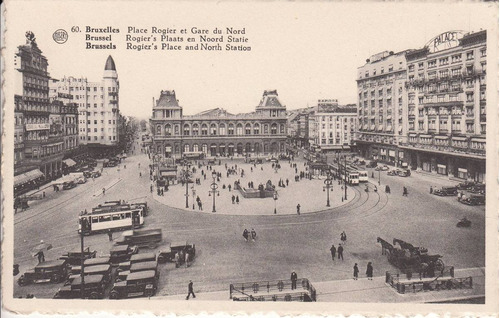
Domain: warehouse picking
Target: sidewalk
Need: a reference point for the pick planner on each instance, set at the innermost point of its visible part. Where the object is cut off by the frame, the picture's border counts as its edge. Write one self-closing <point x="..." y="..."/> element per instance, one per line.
<point x="364" y="290"/>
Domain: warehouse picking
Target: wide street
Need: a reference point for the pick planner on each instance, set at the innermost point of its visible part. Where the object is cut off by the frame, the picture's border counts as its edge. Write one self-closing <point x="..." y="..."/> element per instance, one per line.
<point x="285" y="242"/>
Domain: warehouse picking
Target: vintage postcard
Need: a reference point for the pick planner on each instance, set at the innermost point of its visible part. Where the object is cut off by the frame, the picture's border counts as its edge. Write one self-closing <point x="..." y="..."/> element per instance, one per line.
<point x="321" y="158"/>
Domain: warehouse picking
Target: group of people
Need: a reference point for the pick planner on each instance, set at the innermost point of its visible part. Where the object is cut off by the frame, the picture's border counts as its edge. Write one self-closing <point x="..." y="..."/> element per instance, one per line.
<point x="369" y="271"/>
<point x="252" y="234"/>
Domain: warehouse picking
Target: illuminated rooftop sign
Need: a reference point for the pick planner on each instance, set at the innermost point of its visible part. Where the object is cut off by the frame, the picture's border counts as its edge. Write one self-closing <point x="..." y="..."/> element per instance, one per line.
<point x="444" y="41"/>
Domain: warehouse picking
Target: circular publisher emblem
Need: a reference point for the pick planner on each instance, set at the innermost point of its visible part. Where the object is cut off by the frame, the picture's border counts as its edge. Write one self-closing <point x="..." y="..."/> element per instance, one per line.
<point x="60" y="36"/>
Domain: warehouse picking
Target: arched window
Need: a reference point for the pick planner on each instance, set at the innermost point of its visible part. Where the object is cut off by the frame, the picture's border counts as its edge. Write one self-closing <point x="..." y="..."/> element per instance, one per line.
<point x="239" y="129"/>
<point x="186" y="148"/>
<point x="158" y="130"/>
<point x="177" y="147"/>
<point x="256" y="129"/>
<point x="266" y="129"/>
<point x="186" y="130"/>
<point x="168" y="129"/>
<point x="274" y="129"/>
<point x="230" y="129"/>
<point x="222" y="129"/>
<point x="204" y="148"/>
<point x="195" y="148"/>
<point x="282" y="129"/>
<point x="176" y="131"/>
<point x="248" y="129"/>
<point x="196" y="129"/>
<point x="213" y="129"/>
<point x="204" y="130"/>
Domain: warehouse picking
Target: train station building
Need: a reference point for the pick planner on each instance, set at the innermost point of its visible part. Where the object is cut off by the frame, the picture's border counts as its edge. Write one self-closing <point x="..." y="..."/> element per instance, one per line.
<point x="216" y="132"/>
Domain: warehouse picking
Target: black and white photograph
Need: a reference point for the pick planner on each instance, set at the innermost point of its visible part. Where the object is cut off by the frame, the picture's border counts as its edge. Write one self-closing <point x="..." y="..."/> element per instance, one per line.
<point x="290" y="157"/>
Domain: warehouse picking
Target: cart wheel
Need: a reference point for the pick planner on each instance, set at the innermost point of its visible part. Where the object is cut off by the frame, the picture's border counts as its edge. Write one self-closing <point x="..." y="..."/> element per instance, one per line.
<point x="114" y="295"/>
<point x="93" y="295"/>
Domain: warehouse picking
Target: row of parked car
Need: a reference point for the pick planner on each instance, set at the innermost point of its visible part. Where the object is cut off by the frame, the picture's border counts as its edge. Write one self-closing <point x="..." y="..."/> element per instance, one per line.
<point x="471" y="193"/>
<point x="123" y="273"/>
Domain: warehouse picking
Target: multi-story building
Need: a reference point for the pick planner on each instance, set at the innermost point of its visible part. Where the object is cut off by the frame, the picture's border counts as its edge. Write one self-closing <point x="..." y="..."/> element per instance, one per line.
<point x="381" y="107"/>
<point x="98" y="105"/>
<point x="298" y="127"/>
<point x="447" y="106"/>
<point x="216" y="132"/>
<point x="39" y="146"/>
<point x="334" y="127"/>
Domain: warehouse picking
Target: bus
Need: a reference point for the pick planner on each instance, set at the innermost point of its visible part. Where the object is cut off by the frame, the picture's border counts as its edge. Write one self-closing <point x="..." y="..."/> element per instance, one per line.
<point x="104" y="220"/>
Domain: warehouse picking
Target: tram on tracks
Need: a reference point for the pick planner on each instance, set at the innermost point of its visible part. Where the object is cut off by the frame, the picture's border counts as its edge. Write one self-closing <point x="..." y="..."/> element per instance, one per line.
<point x="347" y="173"/>
<point x="112" y="217"/>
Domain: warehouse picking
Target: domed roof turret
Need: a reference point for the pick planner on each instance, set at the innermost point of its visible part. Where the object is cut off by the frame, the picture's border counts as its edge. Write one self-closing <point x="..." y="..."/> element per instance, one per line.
<point x="110" y="64"/>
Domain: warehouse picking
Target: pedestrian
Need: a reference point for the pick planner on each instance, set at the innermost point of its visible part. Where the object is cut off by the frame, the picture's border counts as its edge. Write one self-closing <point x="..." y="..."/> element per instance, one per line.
<point x="254" y="235"/>
<point x="356" y="271"/>
<point x="186" y="259"/>
<point x="237" y="199"/>
<point x="161" y="191"/>
<point x="293" y="278"/>
<point x="229" y="187"/>
<point x="233" y="198"/>
<point x="140" y="174"/>
<point x="190" y="290"/>
<point x="103" y="191"/>
<point x="41" y="256"/>
<point x="333" y="250"/>
<point x="176" y="259"/>
<point x="298" y="209"/>
<point x="430" y="190"/>
<point x="343" y="237"/>
<point x="369" y="271"/>
<point x="201" y="206"/>
<point x="245" y="235"/>
<point x="405" y="192"/>
<point x="287" y="182"/>
<point x="110" y="235"/>
<point x="151" y="188"/>
<point x="340" y="252"/>
<point x="43" y="194"/>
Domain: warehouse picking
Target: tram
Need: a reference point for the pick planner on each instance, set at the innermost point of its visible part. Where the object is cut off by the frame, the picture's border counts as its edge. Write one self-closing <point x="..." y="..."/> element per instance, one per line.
<point x="103" y="220"/>
<point x="348" y="173"/>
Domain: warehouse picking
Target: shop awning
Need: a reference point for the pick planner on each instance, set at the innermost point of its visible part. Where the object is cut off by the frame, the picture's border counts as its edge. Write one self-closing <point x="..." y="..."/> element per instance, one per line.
<point x="27" y="177"/>
<point x="69" y="162"/>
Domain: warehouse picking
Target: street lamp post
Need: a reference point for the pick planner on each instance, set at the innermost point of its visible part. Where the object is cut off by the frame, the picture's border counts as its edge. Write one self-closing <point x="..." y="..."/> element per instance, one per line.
<point x="186" y="179"/>
<point x="275" y="198"/>
<point x="328" y="185"/>
<point x="82" y="260"/>
<point x="213" y="190"/>
<point x="194" y="193"/>
<point x="379" y="177"/>
<point x="345" y="177"/>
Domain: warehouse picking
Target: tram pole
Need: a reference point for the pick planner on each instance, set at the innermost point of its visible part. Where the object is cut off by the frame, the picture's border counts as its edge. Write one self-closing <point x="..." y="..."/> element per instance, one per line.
<point x="82" y="261"/>
<point x="345" y="177"/>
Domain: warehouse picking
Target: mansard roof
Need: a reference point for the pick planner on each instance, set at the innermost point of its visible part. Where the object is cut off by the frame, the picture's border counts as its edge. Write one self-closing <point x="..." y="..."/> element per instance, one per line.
<point x="270" y="99"/>
<point x="167" y="99"/>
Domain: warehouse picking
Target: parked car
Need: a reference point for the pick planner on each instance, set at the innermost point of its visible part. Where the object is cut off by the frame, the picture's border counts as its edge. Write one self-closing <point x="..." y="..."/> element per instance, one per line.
<point x="142" y="257"/>
<point x="122" y="253"/>
<point x="54" y="271"/>
<point x="372" y="164"/>
<point x="393" y="172"/>
<point x="75" y="257"/>
<point x="143" y="238"/>
<point x="473" y="199"/>
<point x="466" y="185"/>
<point x="122" y="276"/>
<point x="95" y="286"/>
<point x="446" y="191"/>
<point x="138" y="284"/>
<point x="95" y="174"/>
<point x="404" y="173"/>
<point x="478" y="188"/>
<point x="145" y="266"/>
<point x="76" y="269"/>
<point x="168" y="254"/>
<point x="69" y="185"/>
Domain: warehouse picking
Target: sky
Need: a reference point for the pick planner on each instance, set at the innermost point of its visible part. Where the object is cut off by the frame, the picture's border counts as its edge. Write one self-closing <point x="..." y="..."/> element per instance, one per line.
<point x="305" y="50"/>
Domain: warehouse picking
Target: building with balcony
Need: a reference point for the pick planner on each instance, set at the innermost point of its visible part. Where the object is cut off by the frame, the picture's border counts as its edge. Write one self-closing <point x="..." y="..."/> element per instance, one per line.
<point x="333" y="127"/>
<point x="446" y="115"/>
<point x="216" y="132"/>
<point x="381" y="107"/>
<point x="98" y="106"/>
<point x="38" y="142"/>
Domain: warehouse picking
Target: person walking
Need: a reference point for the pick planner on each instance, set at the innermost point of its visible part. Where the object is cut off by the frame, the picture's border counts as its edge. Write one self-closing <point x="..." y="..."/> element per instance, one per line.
<point x="343" y="237"/>
<point x="254" y="235"/>
<point x="245" y="235"/>
<point x="103" y="191"/>
<point x="430" y="191"/>
<point x="298" y="209"/>
<point x="190" y="290"/>
<point x="177" y="260"/>
<point x="369" y="271"/>
<point x="293" y="278"/>
<point x="340" y="252"/>
<point x="333" y="250"/>
<point x="151" y="188"/>
<point x="233" y="198"/>
<point x="186" y="259"/>
<point x="41" y="256"/>
<point x="355" y="271"/>
<point x="110" y="235"/>
<point x="405" y="192"/>
<point x="237" y="199"/>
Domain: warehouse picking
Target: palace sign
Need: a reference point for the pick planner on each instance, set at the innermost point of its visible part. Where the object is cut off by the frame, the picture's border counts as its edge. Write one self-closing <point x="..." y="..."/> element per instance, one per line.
<point x="444" y="41"/>
<point x="30" y="127"/>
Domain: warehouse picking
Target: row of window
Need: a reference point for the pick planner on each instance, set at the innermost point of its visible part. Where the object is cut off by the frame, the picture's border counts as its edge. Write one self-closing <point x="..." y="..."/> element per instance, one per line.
<point x="89" y="138"/>
<point x="194" y="130"/>
<point x="95" y="130"/>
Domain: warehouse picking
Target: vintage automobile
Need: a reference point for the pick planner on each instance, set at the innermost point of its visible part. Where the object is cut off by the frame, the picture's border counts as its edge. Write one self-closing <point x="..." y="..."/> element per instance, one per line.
<point x="393" y="172"/>
<point x="372" y="164"/>
<point x="69" y="185"/>
<point x="150" y="238"/>
<point x="382" y="168"/>
<point x="145" y="266"/>
<point x="478" y="188"/>
<point x="464" y="223"/>
<point x="76" y="269"/>
<point x="142" y="257"/>
<point x="211" y="162"/>
<point x="466" y="185"/>
<point x="95" y="286"/>
<point x="168" y="254"/>
<point x="446" y="191"/>
<point x="54" y="271"/>
<point x="75" y="257"/>
<point x="472" y="199"/>
<point x="138" y="284"/>
<point x="95" y="174"/>
<point x="404" y="173"/>
<point x="122" y="253"/>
